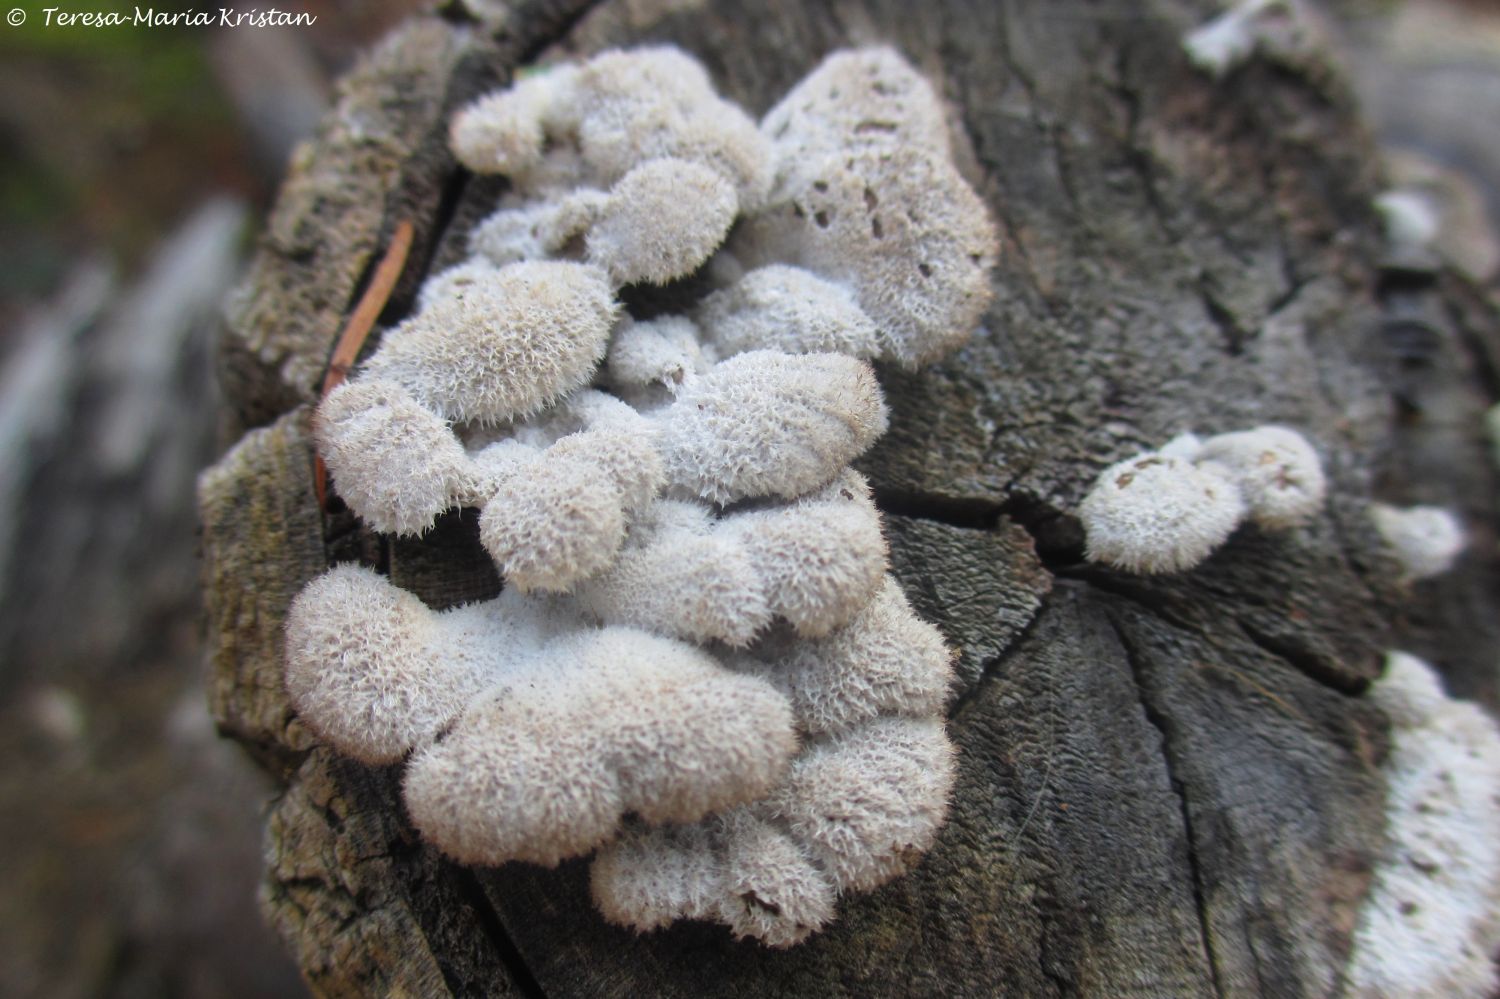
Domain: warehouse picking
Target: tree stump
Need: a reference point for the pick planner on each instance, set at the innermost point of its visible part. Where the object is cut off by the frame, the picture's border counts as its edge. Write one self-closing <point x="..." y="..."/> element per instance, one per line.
<point x="1168" y="786"/>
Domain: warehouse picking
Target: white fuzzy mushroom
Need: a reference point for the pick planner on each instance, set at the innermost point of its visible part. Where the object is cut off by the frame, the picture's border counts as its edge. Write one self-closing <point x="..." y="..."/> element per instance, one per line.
<point x="503" y="344"/>
<point x="814" y="562"/>
<point x="505" y="132"/>
<point x="373" y="671"/>
<point x="867" y="196"/>
<point x="552" y="521"/>
<point x="760" y="424"/>
<point x="854" y="811"/>
<point x="820" y="558"/>
<point x="658" y="102"/>
<point x="661" y="222"/>
<point x="548" y="762"/>
<point x="538" y="230"/>
<point x="1153" y="513"/>
<point x="770" y="888"/>
<point x="594" y="123"/>
<point x="648" y="879"/>
<point x="660" y="352"/>
<point x="770" y="424"/>
<point x="1277" y="471"/>
<point x="1426" y="540"/>
<point x="551" y="731"/>
<point x="779" y="307"/>
<point x="859" y="805"/>
<point x="393" y="460"/>
<point x="737" y="868"/>
<point x="678" y="576"/>
<point x="900" y="228"/>
<point x="1431" y="922"/>
<point x="554" y="516"/>
<point x="856" y="98"/>
<point x="869" y="799"/>
<point x="883" y="661"/>
<point x="1167" y="510"/>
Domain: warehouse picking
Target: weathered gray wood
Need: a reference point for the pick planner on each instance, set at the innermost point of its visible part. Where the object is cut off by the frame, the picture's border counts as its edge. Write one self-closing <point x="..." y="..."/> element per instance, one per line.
<point x="1168" y="786"/>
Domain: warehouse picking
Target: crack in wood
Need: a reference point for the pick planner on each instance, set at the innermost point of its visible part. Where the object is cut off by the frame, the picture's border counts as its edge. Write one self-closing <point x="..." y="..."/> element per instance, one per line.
<point x="1303" y="659"/>
<point x="494" y="931"/>
<point x="992" y="665"/>
<point x="969" y="513"/>
<point x="1163" y="726"/>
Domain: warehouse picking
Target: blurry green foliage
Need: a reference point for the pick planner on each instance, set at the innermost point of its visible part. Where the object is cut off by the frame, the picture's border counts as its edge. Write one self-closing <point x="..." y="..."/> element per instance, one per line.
<point x="107" y="135"/>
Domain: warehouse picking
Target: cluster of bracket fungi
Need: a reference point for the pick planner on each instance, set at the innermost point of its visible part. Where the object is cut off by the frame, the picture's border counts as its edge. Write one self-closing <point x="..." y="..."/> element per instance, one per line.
<point x="699" y="666"/>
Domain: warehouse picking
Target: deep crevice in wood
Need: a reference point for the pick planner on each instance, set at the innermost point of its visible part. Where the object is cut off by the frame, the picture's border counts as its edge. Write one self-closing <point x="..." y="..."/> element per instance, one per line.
<point x="494" y="931"/>
<point x="1163" y="726"/>
<point x="993" y="665"/>
<point x="1305" y="660"/>
<point x="451" y="192"/>
<point x="1055" y="534"/>
<point x="555" y="29"/>
<point x="955" y="511"/>
<point x="1132" y="588"/>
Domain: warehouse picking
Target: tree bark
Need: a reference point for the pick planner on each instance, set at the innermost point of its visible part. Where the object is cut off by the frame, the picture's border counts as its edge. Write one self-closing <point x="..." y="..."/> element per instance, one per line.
<point x="1168" y="786"/>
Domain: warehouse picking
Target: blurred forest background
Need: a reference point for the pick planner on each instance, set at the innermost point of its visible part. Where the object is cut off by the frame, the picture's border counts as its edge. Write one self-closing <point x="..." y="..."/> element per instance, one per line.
<point x="135" y="165"/>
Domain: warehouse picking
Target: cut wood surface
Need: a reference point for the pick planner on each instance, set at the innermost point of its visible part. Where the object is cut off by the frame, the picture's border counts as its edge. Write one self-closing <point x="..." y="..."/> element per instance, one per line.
<point x="1168" y="786"/>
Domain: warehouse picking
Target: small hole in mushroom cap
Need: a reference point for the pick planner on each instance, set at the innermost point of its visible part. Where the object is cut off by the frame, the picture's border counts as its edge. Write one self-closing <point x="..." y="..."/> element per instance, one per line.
<point x="926" y="269"/>
<point x="871" y="200"/>
<point x="876" y="229"/>
<point x="821" y="186"/>
<point x="822" y="219"/>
